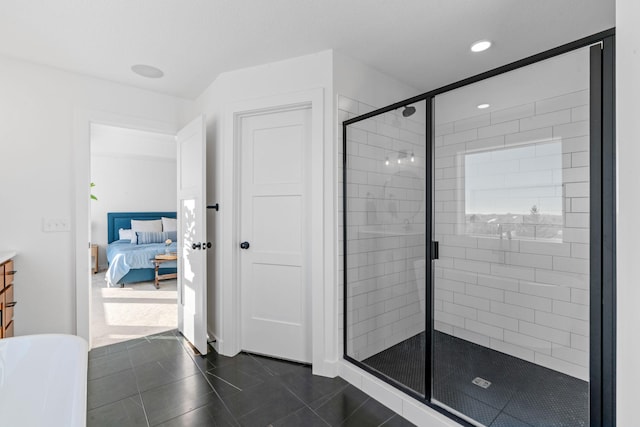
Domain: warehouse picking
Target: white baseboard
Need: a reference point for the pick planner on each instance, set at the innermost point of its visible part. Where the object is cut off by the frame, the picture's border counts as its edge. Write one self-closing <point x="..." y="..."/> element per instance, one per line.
<point x="392" y="398"/>
<point x="328" y="368"/>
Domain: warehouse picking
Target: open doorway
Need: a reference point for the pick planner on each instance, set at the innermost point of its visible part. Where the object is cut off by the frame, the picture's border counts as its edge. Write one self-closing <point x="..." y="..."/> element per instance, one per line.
<point x="132" y="171"/>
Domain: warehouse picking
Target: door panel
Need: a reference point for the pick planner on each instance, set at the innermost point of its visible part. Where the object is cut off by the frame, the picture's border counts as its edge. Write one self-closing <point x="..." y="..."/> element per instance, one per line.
<point x="267" y="228"/>
<point x="269" y="145"/>
<point x="274" y="220"/>
<point x="267" y="303"/>
<point x="192" y="268"/>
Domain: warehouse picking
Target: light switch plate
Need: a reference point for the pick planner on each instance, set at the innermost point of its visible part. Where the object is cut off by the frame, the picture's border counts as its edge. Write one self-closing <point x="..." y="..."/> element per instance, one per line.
<point x="56" y="225"/>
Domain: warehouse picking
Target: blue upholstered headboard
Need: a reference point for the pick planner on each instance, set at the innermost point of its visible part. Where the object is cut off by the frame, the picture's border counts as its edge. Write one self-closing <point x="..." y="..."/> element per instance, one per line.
<point x="118" y="220"/>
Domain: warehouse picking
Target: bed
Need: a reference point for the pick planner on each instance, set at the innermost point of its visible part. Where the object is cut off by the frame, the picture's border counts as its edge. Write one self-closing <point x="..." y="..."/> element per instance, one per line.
<point x="131" y="263"/>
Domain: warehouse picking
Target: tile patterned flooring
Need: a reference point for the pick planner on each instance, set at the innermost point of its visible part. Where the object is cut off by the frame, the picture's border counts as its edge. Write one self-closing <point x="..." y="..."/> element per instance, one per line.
<point x="158" y="380"/>
<point x="521" y="393"/>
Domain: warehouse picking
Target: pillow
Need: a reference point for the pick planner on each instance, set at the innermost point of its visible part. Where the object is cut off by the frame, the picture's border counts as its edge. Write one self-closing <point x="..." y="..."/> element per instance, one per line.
<point x="169" y="224"/>
<point x="125" y="234"/>
<point x="148" y="237"/>
<point x="152" y="225"/>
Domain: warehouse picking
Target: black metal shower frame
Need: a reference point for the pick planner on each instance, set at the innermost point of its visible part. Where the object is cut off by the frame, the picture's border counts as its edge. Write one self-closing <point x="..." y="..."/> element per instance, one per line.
<point x="602" y="347"/>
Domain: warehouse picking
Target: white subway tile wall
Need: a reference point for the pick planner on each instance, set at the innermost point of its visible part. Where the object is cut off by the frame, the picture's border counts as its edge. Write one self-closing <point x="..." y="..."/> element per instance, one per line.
<point x="526" y="297"/>
<point x="385" y="227"/>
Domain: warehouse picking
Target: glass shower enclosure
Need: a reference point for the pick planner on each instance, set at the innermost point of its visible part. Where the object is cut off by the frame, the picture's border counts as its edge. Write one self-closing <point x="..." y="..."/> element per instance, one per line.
<point x="467" y="244"/>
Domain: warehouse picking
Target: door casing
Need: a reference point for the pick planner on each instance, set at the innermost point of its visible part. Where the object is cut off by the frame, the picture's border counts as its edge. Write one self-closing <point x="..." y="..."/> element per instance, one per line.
<point x="322" y="294"/>
<point x="83" y="119"/>
<point x="291" y="341"/>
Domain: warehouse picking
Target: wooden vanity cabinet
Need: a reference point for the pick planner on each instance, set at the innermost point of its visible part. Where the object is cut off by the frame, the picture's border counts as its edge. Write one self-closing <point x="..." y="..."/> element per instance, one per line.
<point x="7" y="300"/>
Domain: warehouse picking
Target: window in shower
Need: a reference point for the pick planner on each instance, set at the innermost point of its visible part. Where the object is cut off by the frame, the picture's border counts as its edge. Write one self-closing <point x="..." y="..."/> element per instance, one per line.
<point x="515" y="193"/>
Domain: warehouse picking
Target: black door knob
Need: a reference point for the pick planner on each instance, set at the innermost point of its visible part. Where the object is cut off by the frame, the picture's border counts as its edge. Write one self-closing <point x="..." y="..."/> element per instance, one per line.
<point x="196" y="246"/>
<point x="244" y="245"/>
<point x="208" y="244"/>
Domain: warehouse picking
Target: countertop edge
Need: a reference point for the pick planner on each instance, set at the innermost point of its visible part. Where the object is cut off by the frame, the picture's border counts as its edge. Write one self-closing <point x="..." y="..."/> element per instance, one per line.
<point x="6" y="256"/>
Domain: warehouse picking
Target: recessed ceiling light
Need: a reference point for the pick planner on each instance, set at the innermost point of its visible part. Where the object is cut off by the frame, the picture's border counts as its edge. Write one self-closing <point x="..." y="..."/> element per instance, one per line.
<point x="147" y="71"/>
<point x="483" y="106"/>
<point x="480" y="46"/>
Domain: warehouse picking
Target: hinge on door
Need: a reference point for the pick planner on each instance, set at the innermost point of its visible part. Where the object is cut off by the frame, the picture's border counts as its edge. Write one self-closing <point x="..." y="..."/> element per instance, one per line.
<point x="435" y="250"/>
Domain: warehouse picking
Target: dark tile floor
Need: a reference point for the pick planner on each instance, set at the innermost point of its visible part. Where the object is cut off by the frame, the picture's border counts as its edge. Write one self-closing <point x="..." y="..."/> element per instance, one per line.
<point x="158" y="380"/>
<point x="521" y="393"/>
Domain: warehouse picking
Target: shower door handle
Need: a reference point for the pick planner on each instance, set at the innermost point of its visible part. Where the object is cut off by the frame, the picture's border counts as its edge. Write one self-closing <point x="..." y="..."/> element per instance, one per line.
<point x="435" y="250"/>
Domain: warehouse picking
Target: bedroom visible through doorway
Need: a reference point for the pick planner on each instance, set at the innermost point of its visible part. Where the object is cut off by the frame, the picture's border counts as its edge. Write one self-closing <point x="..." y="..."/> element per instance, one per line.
<point x="132" y="172"/>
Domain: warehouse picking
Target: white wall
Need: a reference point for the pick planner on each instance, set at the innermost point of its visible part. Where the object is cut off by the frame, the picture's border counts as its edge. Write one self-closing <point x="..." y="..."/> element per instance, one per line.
<point x="37" y="110"/>
<point x="134" y="171"/>
<point x="278" y="78"/>
<point x="628" y="235"/>
<point x="360" y="82"/>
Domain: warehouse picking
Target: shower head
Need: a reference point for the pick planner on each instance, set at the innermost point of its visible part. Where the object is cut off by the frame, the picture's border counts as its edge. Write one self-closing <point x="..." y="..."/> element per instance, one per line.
<point x="408" y="111"/>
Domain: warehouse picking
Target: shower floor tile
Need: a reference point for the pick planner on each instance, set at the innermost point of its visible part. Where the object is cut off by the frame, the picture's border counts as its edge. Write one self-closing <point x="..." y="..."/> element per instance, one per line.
<point x="521" y="393"/>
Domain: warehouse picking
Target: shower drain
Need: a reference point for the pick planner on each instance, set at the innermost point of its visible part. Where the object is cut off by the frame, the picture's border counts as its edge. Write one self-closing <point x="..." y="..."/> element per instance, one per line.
<point x="481" y="382"/>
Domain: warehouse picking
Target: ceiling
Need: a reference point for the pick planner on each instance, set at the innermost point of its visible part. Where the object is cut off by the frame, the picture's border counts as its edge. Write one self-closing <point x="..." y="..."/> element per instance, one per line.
<point x="424" y="43"/>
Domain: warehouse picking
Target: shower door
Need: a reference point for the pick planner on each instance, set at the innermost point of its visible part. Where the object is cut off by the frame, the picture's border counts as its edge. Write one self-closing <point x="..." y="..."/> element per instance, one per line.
<point x="511" y="214"/>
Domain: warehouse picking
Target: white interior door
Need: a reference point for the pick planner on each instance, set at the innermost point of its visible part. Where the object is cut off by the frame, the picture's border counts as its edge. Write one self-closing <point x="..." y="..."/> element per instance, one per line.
<point x="192" y="234"/>
<point x="275" y="291"/>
